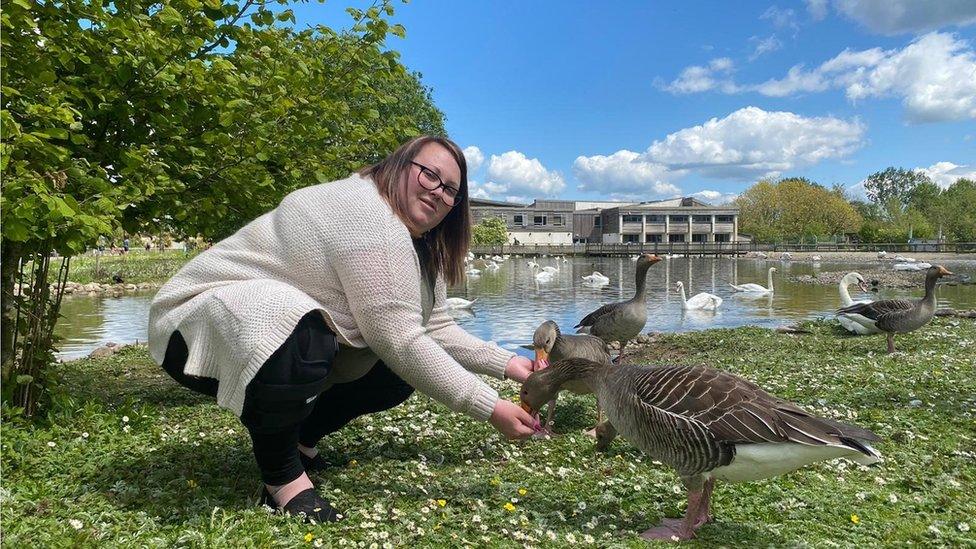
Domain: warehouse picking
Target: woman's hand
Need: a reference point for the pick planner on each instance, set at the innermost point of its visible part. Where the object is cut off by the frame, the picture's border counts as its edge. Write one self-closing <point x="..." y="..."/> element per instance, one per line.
<point x="512" y="421"/>
<point x="518" y="368"/>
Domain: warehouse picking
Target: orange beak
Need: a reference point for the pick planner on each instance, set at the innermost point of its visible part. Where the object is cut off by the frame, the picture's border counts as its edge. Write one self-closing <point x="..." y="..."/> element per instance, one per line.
<point x="541" y="359"/>
<point x="653" y="258"/>
<point x="943" y="271"/>
<point x="527" y="408"/>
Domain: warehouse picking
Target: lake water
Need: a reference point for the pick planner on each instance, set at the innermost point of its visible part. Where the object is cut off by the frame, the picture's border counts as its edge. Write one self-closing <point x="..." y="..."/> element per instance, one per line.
<point x="511" y="304"/>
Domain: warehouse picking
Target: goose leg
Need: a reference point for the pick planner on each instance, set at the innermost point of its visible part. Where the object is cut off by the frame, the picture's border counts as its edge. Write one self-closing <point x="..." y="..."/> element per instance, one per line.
<point x="703" y="515"/>
<point x="599" y="420"/>
<point x="891" y="343"/>
<point x="683" y="528"/>
<point x="620" y="356"/>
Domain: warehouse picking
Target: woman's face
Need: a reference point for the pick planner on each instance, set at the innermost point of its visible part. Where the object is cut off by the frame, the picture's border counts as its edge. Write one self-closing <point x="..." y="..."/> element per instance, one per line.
<point x="426" y="208"/>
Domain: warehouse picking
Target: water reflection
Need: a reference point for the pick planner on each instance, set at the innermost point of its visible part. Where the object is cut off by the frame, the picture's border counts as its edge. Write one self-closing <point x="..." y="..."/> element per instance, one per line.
<point x="511" y="304"/>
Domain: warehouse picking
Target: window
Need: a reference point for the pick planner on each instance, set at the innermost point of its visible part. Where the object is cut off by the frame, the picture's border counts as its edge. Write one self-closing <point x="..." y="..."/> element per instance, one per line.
<point x="723" y="218"/>
<point x="699" y="237"/>
<point x="557" y="220"/>
<point x="676" y="238"/>
<point x="655" y="219"/>
<point x="518" y="219"/>
<point x="679" y="219"/>
<point x="654" y="237"/>
<point x="632" y="219"/>
<point x="702" y="219"/>
<point x="597" y="222"/>
<point x="631" y="238"/>
<point x="539" y="220"/>
<point x="722" y="237"/>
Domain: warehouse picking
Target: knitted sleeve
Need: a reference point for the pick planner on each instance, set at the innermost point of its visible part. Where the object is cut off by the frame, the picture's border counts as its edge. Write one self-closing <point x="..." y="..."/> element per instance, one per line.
<point x="481" y="357"/>
<point x="374" y="258"/>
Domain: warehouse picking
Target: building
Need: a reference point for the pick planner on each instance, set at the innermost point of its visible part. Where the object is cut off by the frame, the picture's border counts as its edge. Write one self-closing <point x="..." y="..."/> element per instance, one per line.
<point x="566" y="221"/>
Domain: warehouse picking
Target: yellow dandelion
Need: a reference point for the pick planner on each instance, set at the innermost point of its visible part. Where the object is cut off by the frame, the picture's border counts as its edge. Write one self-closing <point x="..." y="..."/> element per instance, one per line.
<point x="353" y="463"/>
<point x="442" y="502"/>
<point x="496" y="481"/>
<point x="523" y="491"/>
<point x="508" y="506"/>
<point x="855" y="519"/>
<point x="308" y="537"/>
<point x="191" y="483"/>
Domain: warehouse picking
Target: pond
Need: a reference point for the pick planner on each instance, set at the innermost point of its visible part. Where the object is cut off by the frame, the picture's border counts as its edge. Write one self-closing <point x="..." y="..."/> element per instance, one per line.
<point x="511" y="304"/>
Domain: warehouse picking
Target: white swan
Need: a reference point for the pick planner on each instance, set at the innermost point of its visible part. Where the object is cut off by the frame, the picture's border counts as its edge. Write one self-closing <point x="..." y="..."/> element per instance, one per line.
<point x="473" y="273"/>
<point x="785" y="256"/>
<point x="542" y="276"/>
<point x="911" y="266"/>
<point x="750" y="287"/>
<point x="497" y="258"/>
<point x="552" y="270"/>
<point x="816" y="258"/>
<point x="492" y="266"/>
<point x="851" y="321"/>
<point x="596" y="278"/>
<point x="459" y="303"/>
<point x="699" y="302"/>
<point x="882" y="254"/>
<point x="532" y="265"/>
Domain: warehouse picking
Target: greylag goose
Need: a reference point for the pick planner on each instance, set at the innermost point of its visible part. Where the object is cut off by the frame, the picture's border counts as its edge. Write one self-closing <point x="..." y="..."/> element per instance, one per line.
<point x="550" y="344"/>
<point x="751" y="287"/>
<point x="848" y="323"/>
<point x="707" y="424"/>
<point x="898" y="316"/>
<point x="624" y="320"/>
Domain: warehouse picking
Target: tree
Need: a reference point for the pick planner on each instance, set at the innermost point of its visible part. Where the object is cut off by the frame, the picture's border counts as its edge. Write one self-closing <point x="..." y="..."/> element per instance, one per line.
<point x="188" y="116"/>
<point x="960" y="210"/>
<point x="491" y="231"/>
<point x="894" y="184"/>
<point x="795" y="208"/>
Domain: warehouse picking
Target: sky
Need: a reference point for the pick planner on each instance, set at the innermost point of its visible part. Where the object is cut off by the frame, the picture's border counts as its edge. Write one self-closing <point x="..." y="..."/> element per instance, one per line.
<point x="652" y="100"/>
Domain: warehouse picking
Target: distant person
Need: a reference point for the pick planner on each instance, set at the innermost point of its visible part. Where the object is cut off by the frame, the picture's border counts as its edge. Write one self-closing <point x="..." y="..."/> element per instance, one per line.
<point x="316" y="313"/>
<point x="516" y="241"/>
<point x="125" y="245"/>
<point x="148" y="246"/>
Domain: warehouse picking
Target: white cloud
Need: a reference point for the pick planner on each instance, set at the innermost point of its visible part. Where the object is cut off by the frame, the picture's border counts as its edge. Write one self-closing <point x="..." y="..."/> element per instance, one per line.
<point x="764" y="46"/>
<point x="945" y="174"/>
<point x="716" y="198"/>
<point x="752" y="142"/>
<point x="696" y="78"/>
<point x="901" y="16"/>
<point x="781" y="18"/>
<point x="935" y="77"/>
<point x="517" y="175"/>
<point x="623" y="174"/>
<point x="474" y="157"/>
<point x="817" y="9"/>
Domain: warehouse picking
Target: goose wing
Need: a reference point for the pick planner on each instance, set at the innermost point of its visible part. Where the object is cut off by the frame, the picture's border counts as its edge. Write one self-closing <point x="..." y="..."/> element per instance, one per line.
<point x="735" y="410"/>
<point x="580" y="346"/>
<point x="592" y="318"/>
<point x="876" y="310"/>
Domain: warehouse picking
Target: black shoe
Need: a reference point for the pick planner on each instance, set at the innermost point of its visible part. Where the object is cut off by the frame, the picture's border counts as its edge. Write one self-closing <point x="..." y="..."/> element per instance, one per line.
<point x="314" y="464"/>
<point x="308" y="504"/>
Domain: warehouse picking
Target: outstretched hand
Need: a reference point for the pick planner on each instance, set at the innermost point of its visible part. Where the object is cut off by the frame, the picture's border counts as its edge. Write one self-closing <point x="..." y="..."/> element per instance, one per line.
<point x="512" y="421"/>
<point x="519" y="368"/>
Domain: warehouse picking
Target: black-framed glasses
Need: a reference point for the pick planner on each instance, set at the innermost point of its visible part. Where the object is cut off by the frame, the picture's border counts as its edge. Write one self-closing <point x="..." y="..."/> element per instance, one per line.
<point x="429" y="180"/>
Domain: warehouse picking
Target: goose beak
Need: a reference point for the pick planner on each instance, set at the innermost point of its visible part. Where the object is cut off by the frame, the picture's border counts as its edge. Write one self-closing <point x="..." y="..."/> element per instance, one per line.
<point x="541" y="359"/>
<point x="944" y="272"/>
<point x="653" y="258"/>
<point x="527" y="408"/>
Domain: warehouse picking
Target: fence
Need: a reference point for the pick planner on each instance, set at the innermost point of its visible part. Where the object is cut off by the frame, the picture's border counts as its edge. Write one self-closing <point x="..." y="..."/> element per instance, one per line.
<point x="719" y="248"/>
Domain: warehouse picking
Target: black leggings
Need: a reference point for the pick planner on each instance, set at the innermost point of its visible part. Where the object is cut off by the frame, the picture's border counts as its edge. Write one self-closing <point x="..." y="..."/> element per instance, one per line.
<point x="284" y="404"/>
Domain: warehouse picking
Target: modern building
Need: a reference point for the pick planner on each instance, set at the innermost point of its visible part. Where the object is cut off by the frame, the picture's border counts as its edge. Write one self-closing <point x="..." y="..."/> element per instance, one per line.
<point x="566" y="221"/>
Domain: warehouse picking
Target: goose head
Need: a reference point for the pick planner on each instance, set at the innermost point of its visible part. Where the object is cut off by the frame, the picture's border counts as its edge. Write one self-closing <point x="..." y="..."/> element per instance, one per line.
<point x="542" y="341"/>
<point x="938" y="271"/>
<point x="646" y="260"/>
<point x="542" y="386"/>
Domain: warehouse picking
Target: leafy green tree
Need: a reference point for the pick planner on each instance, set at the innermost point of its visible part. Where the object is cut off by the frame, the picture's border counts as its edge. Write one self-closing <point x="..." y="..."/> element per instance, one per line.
<point x="189" y="116"/>
<point x="959" y="210"/>
<point x="491" y="231"/>
<point x="795" y="208"/>
<point x="894" y="184"/>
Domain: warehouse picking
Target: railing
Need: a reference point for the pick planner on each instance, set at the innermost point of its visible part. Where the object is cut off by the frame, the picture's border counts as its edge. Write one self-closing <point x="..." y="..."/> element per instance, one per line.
<point x="718" y="248"/>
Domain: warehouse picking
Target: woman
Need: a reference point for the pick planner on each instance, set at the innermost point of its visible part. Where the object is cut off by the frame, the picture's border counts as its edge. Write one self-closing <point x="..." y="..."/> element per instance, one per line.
<point x="331" y="306"/>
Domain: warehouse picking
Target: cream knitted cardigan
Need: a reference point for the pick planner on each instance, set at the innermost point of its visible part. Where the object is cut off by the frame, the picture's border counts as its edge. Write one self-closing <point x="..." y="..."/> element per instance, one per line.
<point x="339" y="249"/>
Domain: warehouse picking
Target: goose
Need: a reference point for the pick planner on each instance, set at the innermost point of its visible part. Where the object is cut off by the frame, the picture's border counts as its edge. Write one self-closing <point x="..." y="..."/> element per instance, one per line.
<point x="898" y="316"/>
<point x="624" y="320"/>
<point x="596" y="278"/>
<point x="850" y="324"/>
<point x="551" y="344"/>
<point x="701" y="302"/>
<point x="705" y="423"/>
<point x="750" y="287"/>
<point x="459" y="303"/>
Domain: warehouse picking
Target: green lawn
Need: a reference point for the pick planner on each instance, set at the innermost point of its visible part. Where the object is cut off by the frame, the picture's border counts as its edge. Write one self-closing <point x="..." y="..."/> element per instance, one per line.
<point x="131" y="459"/>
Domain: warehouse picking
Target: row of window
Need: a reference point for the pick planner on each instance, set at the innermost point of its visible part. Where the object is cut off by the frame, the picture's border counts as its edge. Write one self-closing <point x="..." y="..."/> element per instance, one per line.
<point x="539" y="220"/>
<point x="678" y="218"/>
<point x="659" y="238"/>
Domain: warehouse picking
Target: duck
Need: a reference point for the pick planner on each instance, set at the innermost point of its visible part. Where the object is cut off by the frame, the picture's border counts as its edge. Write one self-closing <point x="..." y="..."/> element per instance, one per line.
<point x="624" y="320"/>
<point x="750" y="287"/>
<point x="898" y="316"/>
<point x="550" y="344"/>
<point x="459" y="303"/>
<point x="846" y="321"/>
<point x="703" y="301"/>
<point x="596" y="278"/>
<point x="707" y="424"/>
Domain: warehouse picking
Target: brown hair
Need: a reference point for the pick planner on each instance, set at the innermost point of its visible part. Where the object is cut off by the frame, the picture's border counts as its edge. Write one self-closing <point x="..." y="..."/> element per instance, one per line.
<point x="442" y="249"/>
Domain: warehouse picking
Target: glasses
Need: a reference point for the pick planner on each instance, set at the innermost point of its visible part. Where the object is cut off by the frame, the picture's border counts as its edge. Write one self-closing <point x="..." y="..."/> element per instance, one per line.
<point x="429" y="180"/>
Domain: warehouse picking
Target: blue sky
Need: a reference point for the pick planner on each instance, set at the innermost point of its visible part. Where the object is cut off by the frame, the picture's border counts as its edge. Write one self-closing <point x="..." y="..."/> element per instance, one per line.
<point x="649" y="100"/>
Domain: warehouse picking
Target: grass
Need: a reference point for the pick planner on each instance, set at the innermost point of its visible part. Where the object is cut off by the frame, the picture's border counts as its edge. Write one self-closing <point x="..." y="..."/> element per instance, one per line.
<point x="135" y="267"/>
<point x="131" y="459"/>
